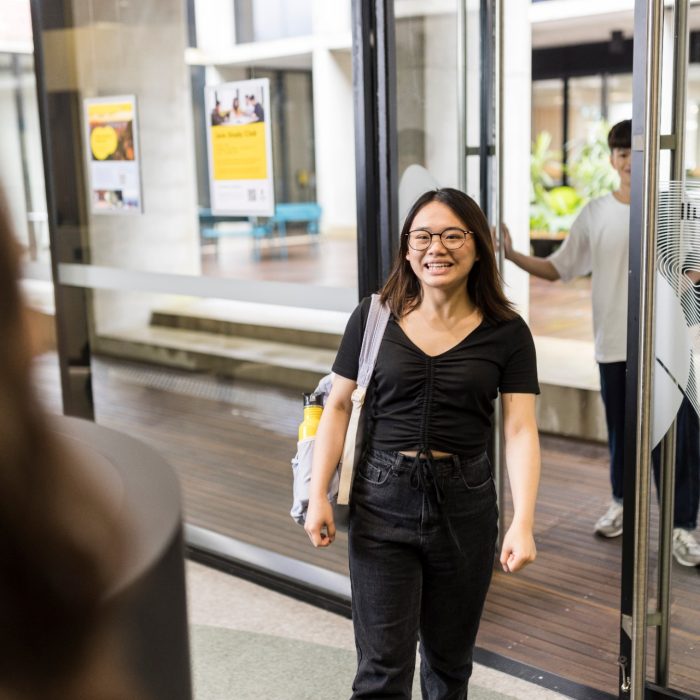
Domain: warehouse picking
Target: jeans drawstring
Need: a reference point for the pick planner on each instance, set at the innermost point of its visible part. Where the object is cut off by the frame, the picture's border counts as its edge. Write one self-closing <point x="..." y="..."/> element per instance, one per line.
<point x="423" y="474"/>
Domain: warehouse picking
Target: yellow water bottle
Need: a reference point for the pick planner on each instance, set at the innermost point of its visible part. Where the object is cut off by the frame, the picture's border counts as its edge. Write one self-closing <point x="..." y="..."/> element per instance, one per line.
<point x="313" y="407"/>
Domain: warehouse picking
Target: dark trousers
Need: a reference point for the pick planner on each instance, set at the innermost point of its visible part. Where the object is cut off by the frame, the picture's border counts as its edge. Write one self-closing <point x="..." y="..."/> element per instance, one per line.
<point x="421" y="544"/>
<point x="687" y="490"/>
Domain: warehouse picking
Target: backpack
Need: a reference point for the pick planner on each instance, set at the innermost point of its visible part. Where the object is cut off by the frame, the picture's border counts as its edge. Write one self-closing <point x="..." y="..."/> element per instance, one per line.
<point x="341" y="484"/>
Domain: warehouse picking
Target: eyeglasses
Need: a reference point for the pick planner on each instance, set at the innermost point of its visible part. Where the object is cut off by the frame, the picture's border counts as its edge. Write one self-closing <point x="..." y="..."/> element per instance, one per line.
<point x="451" y="238"/>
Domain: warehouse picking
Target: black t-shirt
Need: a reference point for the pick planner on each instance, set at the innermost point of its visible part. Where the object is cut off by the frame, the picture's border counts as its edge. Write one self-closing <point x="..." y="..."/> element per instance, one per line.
<point x="442" y="403"/>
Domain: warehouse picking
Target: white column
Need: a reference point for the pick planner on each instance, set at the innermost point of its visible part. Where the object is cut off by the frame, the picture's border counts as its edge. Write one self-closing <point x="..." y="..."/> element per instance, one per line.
<point x="215" y="23"/>
<point x="516" y="122"/>
<point x="334" y="123"/>
<point x="440" y="105"/>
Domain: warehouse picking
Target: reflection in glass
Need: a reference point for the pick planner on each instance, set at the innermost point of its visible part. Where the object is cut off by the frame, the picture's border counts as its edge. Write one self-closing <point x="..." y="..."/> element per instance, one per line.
<point x="21" y="166"/>
<point x="426" y="74"/>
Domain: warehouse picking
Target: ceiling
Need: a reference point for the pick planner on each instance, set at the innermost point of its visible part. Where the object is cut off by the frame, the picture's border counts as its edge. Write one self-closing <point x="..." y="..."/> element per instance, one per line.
<point x="566" y="22"/>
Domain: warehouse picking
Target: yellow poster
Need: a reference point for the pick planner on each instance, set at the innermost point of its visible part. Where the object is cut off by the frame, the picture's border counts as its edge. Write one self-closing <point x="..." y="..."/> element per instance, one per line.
<point x="240" y="148"/>
<point x="113" y="160"/>
<point x="239" y="152"/>
<point x="111" y="130"/>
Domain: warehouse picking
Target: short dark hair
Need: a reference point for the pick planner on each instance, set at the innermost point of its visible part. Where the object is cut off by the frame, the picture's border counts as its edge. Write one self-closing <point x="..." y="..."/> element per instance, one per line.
<point x="620" y="136"/>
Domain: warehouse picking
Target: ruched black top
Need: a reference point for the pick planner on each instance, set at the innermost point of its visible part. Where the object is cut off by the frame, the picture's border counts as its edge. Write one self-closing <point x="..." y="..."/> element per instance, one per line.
<point x="444" y="402"/>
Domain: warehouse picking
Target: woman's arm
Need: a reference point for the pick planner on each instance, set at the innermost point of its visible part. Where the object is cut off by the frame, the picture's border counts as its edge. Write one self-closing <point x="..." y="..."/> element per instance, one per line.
<point x="330" y="437"/>
<point x="523" y="460"/>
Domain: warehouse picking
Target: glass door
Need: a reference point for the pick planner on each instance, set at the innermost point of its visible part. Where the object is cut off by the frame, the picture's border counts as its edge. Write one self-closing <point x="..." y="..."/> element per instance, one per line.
<point x="659" y="654"/>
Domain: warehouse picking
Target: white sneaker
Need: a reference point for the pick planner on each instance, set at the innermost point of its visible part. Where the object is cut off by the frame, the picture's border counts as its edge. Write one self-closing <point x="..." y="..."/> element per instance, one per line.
<point x="610" y="524"/>
<point x="686" y="550"/>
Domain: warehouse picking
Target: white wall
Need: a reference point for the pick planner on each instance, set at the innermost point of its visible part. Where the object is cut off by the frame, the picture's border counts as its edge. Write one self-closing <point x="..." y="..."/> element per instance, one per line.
<point x="215" y="24"/>
<point x="331" y="17"/>
<point x="335" y="138"/>
<point x="440" y="105"/>
<point x="334" y="123"/>
<point x="516" y="123"/>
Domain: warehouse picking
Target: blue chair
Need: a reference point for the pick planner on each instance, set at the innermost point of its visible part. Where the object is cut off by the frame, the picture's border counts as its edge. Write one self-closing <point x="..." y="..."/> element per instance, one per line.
<point x="208" y="230"/>
<point x="297" y="212"/>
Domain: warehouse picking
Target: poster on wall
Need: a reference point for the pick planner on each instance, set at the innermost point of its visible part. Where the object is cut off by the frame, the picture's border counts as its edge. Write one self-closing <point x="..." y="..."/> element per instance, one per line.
<point x="111" y="131"/>
<point x="240" y="148"/>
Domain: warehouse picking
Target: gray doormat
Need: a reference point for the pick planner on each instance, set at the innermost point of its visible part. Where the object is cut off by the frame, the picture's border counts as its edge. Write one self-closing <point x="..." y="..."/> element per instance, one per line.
<point x="233" y="665"/>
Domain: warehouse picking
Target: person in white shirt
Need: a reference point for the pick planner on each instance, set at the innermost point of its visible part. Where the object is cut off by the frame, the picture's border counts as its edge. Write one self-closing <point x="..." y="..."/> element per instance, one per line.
<point x="598" y="244"/>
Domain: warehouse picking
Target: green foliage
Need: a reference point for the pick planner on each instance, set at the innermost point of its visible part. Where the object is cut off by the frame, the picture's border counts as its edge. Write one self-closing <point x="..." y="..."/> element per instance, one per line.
<point x="542" y="161"/>
<point x="554" y="209"/>
<point x="590" y="171"/>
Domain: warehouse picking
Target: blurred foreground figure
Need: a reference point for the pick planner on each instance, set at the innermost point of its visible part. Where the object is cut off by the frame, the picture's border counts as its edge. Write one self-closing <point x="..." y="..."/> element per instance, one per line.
<point x="61" y="544"/>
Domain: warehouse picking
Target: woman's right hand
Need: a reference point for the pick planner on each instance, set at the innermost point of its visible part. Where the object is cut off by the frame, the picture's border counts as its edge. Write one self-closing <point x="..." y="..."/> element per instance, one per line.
<point x="319" y="523"/>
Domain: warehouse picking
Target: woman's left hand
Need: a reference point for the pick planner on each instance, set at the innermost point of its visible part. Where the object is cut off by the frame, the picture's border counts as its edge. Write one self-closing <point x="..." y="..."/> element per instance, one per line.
<point x="518" y="548"/>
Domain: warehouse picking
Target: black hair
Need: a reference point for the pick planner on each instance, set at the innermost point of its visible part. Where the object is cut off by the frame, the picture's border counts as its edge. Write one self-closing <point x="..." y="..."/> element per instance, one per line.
<point x="403" y="292"/>
<point x="620" y="136"/>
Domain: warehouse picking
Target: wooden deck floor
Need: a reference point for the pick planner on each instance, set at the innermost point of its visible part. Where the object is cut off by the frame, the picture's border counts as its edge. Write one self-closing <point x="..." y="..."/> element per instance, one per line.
<point x="231" y="446"/>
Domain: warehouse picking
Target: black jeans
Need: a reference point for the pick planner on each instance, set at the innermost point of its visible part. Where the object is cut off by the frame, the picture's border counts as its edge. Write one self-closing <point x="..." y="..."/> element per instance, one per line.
<point x="687" y="490"/>
<point x="422" y="541"/>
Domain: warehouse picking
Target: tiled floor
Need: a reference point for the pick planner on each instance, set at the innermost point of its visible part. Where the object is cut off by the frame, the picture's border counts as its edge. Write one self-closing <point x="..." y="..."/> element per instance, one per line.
<point x="251" y="643"/>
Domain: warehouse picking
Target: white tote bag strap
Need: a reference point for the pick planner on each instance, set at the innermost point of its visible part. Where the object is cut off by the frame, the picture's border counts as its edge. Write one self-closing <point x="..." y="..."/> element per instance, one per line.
<point x="347" y="461"/>
<point x="371" y="340"/>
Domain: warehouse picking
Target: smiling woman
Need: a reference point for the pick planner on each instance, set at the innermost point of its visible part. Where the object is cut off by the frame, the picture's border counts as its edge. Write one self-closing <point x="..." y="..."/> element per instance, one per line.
<point x="424" y="486"/>
<point x="436" y="211"/>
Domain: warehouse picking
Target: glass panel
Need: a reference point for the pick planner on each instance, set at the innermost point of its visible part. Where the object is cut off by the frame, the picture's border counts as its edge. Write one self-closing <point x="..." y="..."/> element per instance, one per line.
<point x="313" y="156"/>
<point x="678" y="317"/>
<point x="11" y="163"/>
<point x="21" y="167"/>
<point x="585" y="113"/>
<point x="591" y="98"/>
<point x="265" y="20"/>
<point x="427" y="110"/>
<point x="692" y="132"/>
<point x="473" y="99"/>
<point x="548" y="119"/>
<point x="212" y="380"/>
<point x="311" y="164"/>
<point x="225" y="416"/>
<point x="619" y="91"/>
<point x="310" y="114"/>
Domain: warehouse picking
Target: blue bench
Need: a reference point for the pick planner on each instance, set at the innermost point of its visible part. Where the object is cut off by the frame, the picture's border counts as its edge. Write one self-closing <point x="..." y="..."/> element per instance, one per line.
<point x="210" y="231"/>
<point x="256" y="228"/>
<point x="297" y="212"/>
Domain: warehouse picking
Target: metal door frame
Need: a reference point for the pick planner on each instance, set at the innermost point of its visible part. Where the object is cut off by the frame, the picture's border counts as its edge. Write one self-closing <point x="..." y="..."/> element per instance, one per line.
<point x="376" y="140"/>
<point x="490" y="153"/>
<point x="647" y="141"/>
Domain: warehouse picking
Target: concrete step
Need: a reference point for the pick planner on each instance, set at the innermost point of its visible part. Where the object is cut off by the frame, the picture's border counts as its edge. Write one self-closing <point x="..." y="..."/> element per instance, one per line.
<point x="282" y="364"/>
<point x="570" y="402"/>
<point x="316" y="329"/>
<point x="252" y="331"/>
